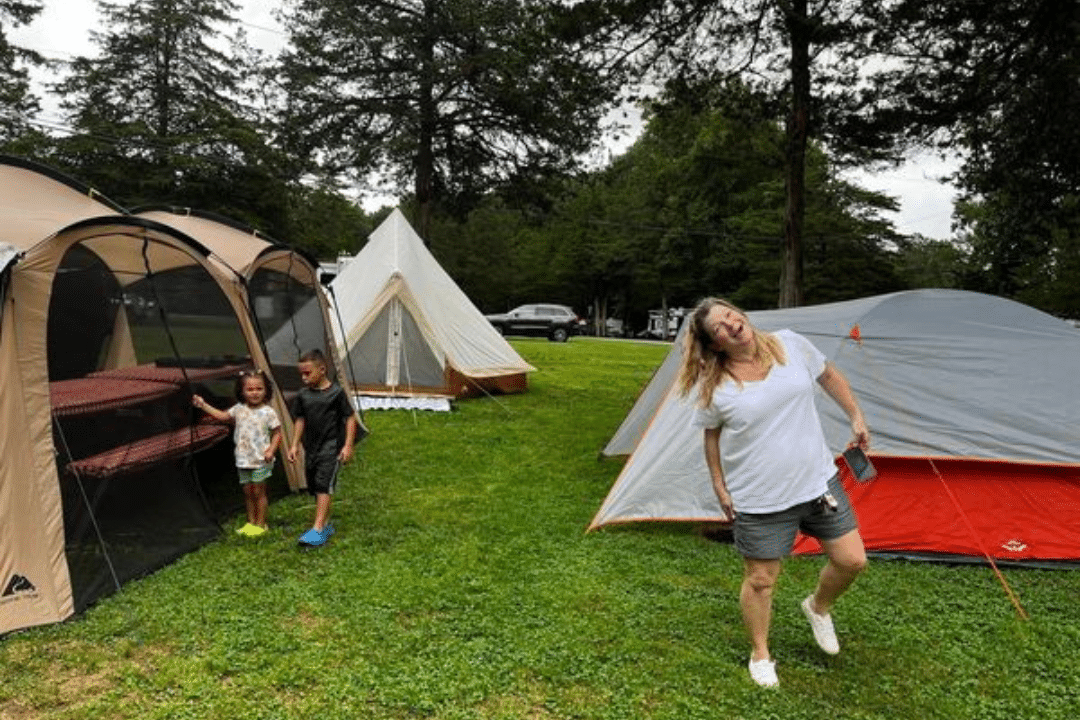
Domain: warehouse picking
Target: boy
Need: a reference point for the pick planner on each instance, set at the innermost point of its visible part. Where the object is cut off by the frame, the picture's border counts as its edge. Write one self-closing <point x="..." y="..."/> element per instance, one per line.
<point x="326" y="422"/>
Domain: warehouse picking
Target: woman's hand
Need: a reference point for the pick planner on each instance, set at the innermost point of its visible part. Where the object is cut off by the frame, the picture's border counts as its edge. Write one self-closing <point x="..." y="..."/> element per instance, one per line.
<point x="726" y="505"/>
<point x="716" y="472"/>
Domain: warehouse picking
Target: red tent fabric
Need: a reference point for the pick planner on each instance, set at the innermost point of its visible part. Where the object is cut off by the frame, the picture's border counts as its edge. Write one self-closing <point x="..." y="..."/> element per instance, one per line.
<point x="921" y="507"/>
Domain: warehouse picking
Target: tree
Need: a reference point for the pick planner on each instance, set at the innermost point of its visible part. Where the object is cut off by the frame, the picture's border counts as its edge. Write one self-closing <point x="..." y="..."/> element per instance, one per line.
<point x="18" y="104"/>
<point x="783" y="43"/>
<point x="453" y="97"/>
<point x="324" y="222"/>
<point x="161" y="115"/>
<point x="849" y="247"/>
<point x="695" y="208"/>
<point x="923" y="262"/>
<point x="999" y="79"/>
<point x="481" y="253"/>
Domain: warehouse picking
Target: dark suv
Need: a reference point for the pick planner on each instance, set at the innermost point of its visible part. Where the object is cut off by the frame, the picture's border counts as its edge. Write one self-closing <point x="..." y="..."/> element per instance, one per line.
<point x="555" y="322"/>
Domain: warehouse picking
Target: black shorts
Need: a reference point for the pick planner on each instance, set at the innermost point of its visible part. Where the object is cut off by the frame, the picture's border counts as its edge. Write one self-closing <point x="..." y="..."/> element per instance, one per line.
<point x="322" y="472"/>
<point x="771" y="536"/>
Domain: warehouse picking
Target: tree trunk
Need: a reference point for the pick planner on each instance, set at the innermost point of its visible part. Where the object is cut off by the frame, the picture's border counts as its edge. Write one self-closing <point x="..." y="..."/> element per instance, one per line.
<point x="425" y="155"/>
<point x="163" y="78"/>
<point x="791" y="270"/>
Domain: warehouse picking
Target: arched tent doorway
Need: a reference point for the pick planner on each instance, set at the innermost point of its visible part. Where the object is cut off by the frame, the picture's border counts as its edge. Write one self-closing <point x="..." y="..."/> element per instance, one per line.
<point x="284" y="299"/>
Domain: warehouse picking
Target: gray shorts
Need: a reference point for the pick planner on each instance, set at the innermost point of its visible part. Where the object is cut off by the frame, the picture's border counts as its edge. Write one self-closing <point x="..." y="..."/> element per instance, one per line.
<point x="771" y="536"/>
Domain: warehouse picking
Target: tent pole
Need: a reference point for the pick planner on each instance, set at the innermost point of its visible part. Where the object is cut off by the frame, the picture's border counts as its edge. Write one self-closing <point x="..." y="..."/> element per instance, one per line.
<point x="345" y="348"/>
<point x="89" y="506"/>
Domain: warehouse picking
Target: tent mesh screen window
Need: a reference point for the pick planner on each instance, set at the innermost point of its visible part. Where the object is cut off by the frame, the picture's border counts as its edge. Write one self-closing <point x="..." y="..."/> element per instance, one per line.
<point x="291" y="322"/>
<point x="144" y="477"/>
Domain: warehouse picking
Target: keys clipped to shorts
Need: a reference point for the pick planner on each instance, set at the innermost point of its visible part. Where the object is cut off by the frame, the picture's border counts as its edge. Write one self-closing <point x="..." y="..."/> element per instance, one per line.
<point x="828" y="502"/>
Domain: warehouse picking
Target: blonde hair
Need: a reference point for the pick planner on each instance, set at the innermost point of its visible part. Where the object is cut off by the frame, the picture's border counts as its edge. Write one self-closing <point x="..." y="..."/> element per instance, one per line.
<point x="705" y="366"/>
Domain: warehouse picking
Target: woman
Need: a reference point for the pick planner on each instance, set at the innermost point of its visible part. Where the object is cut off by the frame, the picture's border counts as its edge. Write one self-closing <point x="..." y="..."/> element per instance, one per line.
<point x="771" y="468"/>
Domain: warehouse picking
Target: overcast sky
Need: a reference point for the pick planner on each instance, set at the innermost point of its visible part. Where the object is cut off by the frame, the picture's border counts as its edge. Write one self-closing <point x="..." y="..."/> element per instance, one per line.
<point x="62" y="31"/>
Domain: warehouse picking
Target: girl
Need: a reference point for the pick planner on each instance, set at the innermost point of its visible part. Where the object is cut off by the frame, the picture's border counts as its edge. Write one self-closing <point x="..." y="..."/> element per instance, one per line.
<point x="257" y="437"/>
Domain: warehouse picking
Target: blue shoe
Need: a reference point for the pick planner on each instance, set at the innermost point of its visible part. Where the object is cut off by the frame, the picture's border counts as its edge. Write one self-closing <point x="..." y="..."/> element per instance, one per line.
<point x="315" y="538"/>
<point x="312" y="538"/>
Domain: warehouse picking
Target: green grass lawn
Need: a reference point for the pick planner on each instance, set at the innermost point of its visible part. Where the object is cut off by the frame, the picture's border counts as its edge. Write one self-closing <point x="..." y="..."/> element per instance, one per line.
<point x="461" y="584"/>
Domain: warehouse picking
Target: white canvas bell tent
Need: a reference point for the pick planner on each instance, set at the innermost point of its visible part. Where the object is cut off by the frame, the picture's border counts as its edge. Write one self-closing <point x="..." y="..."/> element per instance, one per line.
<point x="409" y="330"/>
<point x="971" y="402"/>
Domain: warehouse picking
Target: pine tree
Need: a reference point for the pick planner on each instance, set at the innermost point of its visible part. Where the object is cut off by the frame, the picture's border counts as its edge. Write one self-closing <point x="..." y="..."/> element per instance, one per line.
<point x="18" y="104"/>
<point x="807" y="54"/>
<point x="162" y="113"/>
<point x="448" y="96"/>
<point x="999" y="80"/>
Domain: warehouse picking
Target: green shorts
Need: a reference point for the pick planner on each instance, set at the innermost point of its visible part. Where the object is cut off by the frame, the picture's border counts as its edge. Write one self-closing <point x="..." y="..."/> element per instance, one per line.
<point x="255" y="475"/>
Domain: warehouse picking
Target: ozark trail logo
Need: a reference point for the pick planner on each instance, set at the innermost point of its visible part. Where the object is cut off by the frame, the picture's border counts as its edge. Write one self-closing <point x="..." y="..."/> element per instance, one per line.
<point x="18" y="584"/>
<point x="1015" y="546"/>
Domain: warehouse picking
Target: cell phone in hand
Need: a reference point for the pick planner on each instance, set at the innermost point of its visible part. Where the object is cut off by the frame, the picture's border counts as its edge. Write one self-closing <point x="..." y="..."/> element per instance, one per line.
<point x="860" y="465"/>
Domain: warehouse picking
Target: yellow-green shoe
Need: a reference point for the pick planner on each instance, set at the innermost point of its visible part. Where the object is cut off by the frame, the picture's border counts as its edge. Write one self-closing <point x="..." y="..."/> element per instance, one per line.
<point x="247" y="529"/>
<point x="256" y="531"/>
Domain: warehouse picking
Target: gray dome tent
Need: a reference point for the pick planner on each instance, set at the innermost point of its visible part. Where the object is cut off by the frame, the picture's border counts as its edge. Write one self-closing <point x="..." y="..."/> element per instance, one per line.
<point x="972" y="402"/>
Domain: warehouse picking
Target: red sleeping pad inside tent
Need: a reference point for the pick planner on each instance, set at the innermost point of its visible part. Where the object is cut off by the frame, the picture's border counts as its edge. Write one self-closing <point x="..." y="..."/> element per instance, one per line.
<point x="172" y="374"/>
<point x="81" y="396"/>
<point x="145" y="453"/>
<point x="1011" y="511"/>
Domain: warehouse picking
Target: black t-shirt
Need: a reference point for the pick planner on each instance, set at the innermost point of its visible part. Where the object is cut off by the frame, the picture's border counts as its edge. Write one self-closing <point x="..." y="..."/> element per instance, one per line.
<point x="325" y="413"/>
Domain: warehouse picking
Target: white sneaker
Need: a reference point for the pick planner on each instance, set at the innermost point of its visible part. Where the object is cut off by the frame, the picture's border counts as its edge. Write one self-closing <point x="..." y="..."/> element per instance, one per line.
<point x="822" y="626"/>
<point x="763" y="672"/>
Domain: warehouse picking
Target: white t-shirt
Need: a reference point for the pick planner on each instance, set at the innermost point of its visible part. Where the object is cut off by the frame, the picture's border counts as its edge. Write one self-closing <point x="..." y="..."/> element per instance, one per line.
<point x="772" y="449"/>
<point x="254" y="428"/>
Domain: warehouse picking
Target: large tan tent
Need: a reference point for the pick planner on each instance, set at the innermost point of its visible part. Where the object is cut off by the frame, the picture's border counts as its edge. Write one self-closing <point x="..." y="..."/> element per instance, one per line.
<point x="408" y="329"/>
<point x="108" y="324"/>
